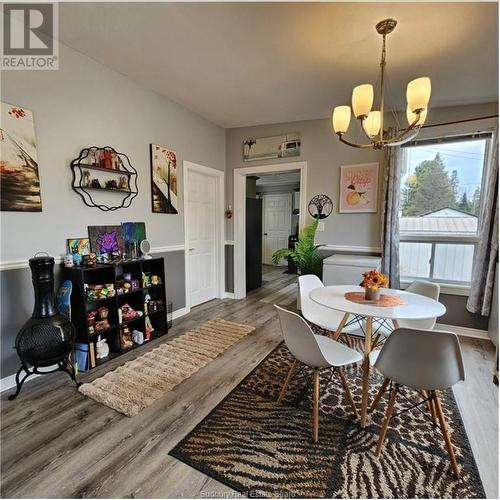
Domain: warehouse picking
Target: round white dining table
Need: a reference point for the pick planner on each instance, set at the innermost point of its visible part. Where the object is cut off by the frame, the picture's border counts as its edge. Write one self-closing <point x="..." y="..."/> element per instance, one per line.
<point x="415" y="307"/>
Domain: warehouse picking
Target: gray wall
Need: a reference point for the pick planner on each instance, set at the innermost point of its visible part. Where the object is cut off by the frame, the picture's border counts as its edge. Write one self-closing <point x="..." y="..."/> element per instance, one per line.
<point x="82" y="104"/>
<point x="324" y="155"/>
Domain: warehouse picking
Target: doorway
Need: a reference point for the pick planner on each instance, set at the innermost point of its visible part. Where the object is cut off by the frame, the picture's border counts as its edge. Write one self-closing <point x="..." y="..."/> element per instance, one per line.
<point x="204" y="237"/>
<point x="269" y="208"/>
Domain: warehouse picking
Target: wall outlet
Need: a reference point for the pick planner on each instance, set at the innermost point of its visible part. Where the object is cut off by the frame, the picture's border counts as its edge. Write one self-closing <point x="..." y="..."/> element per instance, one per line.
<point x="321" y="226"/>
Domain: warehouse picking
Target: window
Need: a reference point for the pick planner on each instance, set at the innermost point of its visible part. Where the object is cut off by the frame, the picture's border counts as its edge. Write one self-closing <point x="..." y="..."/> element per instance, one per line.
<point x="440" y="207"/>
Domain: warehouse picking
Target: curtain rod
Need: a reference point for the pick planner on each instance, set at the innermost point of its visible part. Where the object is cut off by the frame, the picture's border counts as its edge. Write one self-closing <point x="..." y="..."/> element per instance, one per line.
<point x="460" y="121"/>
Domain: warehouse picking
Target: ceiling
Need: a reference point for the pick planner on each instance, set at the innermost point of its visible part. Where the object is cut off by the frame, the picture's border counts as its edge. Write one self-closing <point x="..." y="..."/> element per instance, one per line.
<point x="241" y="64"/>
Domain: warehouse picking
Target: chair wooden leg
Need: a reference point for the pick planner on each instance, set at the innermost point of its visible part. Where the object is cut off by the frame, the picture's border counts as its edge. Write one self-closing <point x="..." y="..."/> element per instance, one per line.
<point x="387" y="419"/>
<point x="430" y="405"/>
<point x="446" y="434"/>
<point x="379" y="395"/>
<point x="347" y="391"/>
<point x="341" y="326"/>
<point x="316" y="405"/>
<point x="287" y="381"/>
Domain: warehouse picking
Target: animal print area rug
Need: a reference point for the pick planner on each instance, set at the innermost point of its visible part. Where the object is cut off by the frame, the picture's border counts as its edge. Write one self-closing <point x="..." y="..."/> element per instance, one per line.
<point x="263" y="449"/>
<point x="140" y="382"/>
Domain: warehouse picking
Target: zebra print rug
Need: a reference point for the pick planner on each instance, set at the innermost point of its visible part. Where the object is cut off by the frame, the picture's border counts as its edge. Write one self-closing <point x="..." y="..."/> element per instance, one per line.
<point x="262" y="449"/>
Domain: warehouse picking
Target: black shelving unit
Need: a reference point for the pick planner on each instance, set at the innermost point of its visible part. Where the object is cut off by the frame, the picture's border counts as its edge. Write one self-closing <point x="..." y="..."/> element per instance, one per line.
<point x="102" y="274"/>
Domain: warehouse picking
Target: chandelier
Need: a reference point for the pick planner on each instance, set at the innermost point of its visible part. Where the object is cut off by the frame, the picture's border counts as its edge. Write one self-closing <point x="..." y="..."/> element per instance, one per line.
<point x="418" y="93"/>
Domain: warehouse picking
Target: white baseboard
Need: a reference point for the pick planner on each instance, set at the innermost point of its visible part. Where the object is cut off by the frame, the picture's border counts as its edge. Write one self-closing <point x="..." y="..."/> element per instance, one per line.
<point x="178" y="313"/>
<point x="229" y="295"/>
<point x="464" y="331"/>
<point x="9" y="382"/>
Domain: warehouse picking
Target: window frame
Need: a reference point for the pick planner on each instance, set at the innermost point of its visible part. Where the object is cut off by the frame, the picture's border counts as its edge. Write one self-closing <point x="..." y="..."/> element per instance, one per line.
<point x="451" y="286"/>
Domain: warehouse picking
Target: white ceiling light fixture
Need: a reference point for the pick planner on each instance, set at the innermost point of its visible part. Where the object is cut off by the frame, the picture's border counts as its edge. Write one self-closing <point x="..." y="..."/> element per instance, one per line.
<point x="418" y="93"/>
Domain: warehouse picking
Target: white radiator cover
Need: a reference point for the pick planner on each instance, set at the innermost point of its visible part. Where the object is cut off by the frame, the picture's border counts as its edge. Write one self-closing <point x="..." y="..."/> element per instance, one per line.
<point x="347" y="269"/>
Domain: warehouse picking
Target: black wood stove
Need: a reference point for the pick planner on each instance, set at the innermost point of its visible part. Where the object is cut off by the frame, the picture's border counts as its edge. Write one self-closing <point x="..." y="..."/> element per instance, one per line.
<point x="46" y="339"/>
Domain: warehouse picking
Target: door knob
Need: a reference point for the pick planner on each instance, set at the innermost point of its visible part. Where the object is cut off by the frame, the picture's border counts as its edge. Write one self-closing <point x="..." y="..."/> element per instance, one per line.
<point x="265" y="234"/>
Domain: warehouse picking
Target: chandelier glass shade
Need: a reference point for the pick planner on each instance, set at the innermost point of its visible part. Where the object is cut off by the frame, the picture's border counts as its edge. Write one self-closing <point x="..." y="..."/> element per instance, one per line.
<point x="418" y="93"/>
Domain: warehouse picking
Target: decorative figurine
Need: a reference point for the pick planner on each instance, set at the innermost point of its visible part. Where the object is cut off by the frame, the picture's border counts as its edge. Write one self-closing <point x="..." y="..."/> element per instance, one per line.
<point x="77" y="259"/>
<point x="125" y="338"/>
<point x="123" y="183"/>
<point x="68" y="260"/>
<point x="102" y="348"/>
<point x="91" y="317"/>
<point x="138" y="337"/>
<point x="86" y="178"/>
<point x="149" y="329"/>
<point x="111" y="184"/>
<point x="127" y="312"/>
<point x="103" y="312"/>
<point x="95" y="184"/>
<point x="101" y="325"/>
<point x="90" y="259"/>
<point x="155" y="279"/>
<point x="147" y="299"/>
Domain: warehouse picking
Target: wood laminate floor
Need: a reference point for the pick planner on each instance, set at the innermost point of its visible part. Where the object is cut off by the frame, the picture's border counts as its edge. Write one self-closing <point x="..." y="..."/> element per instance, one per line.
<point x="57" y="443"/>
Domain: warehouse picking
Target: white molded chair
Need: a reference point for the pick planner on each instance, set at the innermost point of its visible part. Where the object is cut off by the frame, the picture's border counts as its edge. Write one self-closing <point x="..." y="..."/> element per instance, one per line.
<point x="426" y="289"/>
<point x="318" y="352"/>
<point x="315" y="313"/>
<point x="427" y="361"/>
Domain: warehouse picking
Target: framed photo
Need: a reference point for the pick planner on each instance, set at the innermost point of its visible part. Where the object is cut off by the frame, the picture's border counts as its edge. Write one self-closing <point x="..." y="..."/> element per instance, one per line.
<point x="19" y="182"/>
<point x="267" y="148"/>
<point x="358" y="188"/>
<point x="163" y="180"/>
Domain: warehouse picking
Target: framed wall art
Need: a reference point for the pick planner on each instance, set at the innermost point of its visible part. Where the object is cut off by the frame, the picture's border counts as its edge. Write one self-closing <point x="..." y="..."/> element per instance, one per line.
<point x="163" y="180"/>
<point x="358" y="188"/>
<point x="19" y="181"/>
<point x="266" y="148"/>
<point x="106" y="239"/>
<point x="78" y="245"/>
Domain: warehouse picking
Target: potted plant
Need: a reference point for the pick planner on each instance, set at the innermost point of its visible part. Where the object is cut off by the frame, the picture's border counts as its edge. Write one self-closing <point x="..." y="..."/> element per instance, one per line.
<point x="372" y="282"/>
<point x="305" y="255"/>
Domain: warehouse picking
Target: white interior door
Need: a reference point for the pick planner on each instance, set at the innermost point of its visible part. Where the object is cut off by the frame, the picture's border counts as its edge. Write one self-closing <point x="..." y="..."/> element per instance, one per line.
<point x="277" y="224"/>
<point x="201" y="228"/>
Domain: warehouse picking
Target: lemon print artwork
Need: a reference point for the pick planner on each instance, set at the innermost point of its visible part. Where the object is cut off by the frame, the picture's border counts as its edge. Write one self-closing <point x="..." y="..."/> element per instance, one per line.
<point x="355" y="197"/>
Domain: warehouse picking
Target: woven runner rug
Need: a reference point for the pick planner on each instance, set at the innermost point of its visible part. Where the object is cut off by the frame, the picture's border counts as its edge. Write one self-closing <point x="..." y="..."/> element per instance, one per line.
<point x="139" y="383"/>
<point x="263" y="449"/>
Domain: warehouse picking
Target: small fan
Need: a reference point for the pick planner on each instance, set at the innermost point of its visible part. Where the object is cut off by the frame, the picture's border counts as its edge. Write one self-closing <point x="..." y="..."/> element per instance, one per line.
<point x="320" y="207"/>
<point x="145" y="247"/>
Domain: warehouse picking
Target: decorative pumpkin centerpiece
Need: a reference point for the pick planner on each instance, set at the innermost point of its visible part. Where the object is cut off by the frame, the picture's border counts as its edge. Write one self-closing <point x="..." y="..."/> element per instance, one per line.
<point x="372" y="282"/>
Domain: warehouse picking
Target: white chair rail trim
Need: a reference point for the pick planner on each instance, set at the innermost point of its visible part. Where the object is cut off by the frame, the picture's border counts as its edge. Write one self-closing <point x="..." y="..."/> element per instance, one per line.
<point x="7" y="265"/>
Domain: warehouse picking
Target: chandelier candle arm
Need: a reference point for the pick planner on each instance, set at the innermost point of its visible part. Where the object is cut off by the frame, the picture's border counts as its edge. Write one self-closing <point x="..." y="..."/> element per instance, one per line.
<point x="418" y="94"/>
